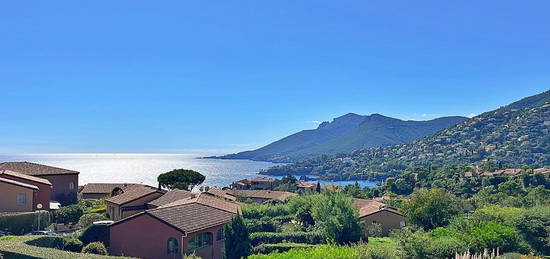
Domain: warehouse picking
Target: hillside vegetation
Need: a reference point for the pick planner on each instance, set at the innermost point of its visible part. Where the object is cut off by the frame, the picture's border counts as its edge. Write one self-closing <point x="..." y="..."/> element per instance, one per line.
<point x="344" y="134"/>
<point x="513" y="136"/>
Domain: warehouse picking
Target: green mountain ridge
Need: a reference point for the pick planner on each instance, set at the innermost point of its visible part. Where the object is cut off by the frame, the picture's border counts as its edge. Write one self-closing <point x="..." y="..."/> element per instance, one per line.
<point x="345" y="134"/>
<point x="513" y="135"/>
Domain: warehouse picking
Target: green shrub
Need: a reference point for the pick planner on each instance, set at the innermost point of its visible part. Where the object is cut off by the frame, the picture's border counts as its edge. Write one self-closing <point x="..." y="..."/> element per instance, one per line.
<point x="337" y="219"/>
<point x="376" y="252"/>
<point x="69" y="214"/>
<point x="95" y="248"/>
<point x="493" y="235"/>
<point x="291" y="237"/>
<point x="22" y="223"/>
<point x="258" y="211"/>
<point x="260" y="225"/>
<point x="88" y="219"/>
<point x="282" y="247"/>
<point x="56" y="242"/>
<point x="72" y="244"/>
<point x="374" y="230"/>
<point x="95" y="233"/>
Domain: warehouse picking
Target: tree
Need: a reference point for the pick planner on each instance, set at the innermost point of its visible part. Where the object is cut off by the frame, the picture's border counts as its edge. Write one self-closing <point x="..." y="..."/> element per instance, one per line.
<point x="432" y="208"/>
<point x="116" y="191"/>
<point x="180" y="179"/>
<point x="337" y="219"/>
<point x="237" y="239"/>
<point x="318" y="188"/>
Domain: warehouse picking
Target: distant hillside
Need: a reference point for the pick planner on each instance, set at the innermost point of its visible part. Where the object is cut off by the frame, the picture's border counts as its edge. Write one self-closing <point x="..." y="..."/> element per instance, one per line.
<point x="345" y="134"/>
<point x="513" y="136"/>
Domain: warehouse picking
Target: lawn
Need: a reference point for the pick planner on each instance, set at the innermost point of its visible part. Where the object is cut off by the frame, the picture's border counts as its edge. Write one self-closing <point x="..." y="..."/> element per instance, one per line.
<point x="331" y="251"/>
<point x="16" y="247"/>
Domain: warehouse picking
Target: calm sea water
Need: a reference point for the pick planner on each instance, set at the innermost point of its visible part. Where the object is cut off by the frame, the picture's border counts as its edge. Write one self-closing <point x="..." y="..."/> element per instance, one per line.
<point x="144" y="168"/>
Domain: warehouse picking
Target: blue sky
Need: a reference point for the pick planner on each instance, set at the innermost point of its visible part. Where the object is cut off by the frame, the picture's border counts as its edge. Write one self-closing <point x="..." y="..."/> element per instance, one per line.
<point x="171" y="76"/>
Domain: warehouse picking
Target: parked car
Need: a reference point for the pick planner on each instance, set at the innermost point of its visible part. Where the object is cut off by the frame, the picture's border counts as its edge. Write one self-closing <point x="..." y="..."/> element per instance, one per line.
<point x="41" y="233"/>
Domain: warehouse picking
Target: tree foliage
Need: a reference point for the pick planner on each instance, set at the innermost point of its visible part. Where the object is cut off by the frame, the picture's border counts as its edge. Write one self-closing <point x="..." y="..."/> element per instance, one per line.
<point x="431" y="208"/>
<point x="237" y="239"/>
<point x="337" y="218"/>
<point x="180" y="179"/>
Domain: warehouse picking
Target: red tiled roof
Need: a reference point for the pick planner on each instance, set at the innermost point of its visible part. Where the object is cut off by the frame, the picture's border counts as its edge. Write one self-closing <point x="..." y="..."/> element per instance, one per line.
<point x="24" y="176"/>
<point x="208" y="200"/>
<point x="302" y="184"/>
<point x="133" y="193"/>
<point x="191" y="217"/>
<point x="221" y="193"/>
<point x="104" y="188"/>
<point x="261" y="179"/>
<point x="171" y="196"/>
<point x="264" y="194"/>
<point x="368" y="207"/>
<point x="542" y="170"/>
<point x="13" y="182"/>
<point x="34" y="169"/>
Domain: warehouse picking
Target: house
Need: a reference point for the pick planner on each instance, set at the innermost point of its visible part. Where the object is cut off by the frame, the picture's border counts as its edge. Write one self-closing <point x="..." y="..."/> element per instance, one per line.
<point x="305" y="186"/>
<point x="64" y="182"/>
<point x="41" y="199"/>
<point x="220" y="193"/>
<point x="371" y="211"/>
<point x="257" y="183"/>
<point x="16" y="196"/>
<point x="192" y="225"/>
<point x="132" y="201"/>
<point x="101" y="190"/>
<point x="261" y="196"/>
<point x="169" y="197"/>
<point x="542" y="171"/>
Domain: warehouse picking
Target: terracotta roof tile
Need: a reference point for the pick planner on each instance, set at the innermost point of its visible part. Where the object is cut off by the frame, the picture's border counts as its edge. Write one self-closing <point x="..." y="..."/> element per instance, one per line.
<point x="34" y="169"/>
<point x="132" y="193"/>
<point x="171" y="196"/>
<point x="104" y="188"/>
<point x="24" y="176"/>
<point x="191" y="217"/>
<point x="13" y="182"/>
<point x="368" y="207"/>
<point x="264" y="194"/>
<point x="208" y="200"/>
<point x="221" y="193"/>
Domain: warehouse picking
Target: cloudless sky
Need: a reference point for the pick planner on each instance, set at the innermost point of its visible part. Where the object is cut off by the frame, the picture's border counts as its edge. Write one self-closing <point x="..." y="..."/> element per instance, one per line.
<point x="172" y="76"/>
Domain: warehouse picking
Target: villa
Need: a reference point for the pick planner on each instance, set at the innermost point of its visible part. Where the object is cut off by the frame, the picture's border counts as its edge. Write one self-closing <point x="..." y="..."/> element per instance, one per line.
<point x="174" y="230"/>
<point x="132" y="201"/>
<point x="64" y="182"/>
<point x="101" y="190"/>
<point x="371" y="211"/>
<point x="39" y="200"/>
<point x="261" y="196"/>
<point x="257" y="183"/>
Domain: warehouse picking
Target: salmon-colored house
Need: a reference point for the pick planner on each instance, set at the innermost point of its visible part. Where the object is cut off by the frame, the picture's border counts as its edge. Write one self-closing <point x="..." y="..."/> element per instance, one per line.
<point x="16" y="196"/>
<point x="41" y="197"/>
<point x="101" y="190"/>
<point x="371" y="211"/>
<point x="64" y="182"/>
<point x="192" y="225"/>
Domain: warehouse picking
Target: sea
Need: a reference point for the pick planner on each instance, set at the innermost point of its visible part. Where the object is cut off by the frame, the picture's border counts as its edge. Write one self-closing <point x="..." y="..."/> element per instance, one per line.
<point x="144" y="168"/>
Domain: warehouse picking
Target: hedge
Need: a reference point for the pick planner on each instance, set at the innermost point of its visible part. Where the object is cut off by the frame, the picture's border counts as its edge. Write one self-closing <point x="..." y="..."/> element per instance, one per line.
<point x="95" y="233"/>
<point x="22" y="223"/>
<point x="67" y="243"/>
<point x="282" y="247"/>
<point x="257" y="225"/>
<point x="292" y="237"/>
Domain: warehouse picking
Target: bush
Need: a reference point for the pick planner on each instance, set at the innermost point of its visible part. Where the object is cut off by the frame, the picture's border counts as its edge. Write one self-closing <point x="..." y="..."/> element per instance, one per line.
<point x="22" y="223"/>
<point x="237" y="239"/>
<point x="95" y="233"/>
<point x="376" y="252"/>
<point x="69" y="214"/>
<point x="260" y="225"/>
<point x="374" y="230"/>
<point x="95" y="248"/>
<point x="337" y="219"/>
<point x="55" y="242"/>
<point x="88" y="219"/>
<point x="493" y="235"/>
<point x="72" y="244"/>
<point x="292" y="237"/>
<point x="283" y="247"/>
<point x="258" y="211"/>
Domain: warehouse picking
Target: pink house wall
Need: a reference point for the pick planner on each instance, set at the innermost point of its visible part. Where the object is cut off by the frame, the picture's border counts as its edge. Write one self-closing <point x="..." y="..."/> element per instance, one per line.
<point x="146" y="237"/>
<point x="61" y="185"/>
<point x="42" y="196"/>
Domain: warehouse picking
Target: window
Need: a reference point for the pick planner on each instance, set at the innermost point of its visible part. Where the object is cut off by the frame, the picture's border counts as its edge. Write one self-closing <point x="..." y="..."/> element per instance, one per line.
<point x="219" y="235"/>
<point x="200" y="241"/>
<point x="21" y="199"/>
<point x="71" y="186"/>
<point x="173" y="247"/>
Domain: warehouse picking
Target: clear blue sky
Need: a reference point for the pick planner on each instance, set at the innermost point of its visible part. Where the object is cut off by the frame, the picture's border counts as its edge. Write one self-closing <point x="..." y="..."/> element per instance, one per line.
<point x="168" y="76"/>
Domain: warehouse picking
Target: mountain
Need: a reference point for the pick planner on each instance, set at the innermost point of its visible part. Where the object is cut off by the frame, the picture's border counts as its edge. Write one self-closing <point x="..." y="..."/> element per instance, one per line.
<point x="344" y="134"/>
<point x="513" y="136"/>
